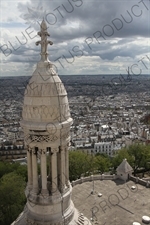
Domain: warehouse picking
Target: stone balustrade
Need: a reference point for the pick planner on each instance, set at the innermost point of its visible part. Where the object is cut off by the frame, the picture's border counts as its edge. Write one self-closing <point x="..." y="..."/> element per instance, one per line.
<point x="143" y="182"/>
<point x="94" y="177"/>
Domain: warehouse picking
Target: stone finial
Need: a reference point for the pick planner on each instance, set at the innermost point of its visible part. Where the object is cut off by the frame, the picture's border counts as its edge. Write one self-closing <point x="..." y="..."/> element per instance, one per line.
<point x="44" y="42"/>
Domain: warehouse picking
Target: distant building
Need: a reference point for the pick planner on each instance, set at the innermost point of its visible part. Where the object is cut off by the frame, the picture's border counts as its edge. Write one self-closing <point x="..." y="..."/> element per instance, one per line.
<point x="104" y="147"/>
<point x="10" y="151"/>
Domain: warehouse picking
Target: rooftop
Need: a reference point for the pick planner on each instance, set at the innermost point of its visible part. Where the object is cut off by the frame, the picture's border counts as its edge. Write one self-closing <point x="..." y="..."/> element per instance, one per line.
<point x="118" y="205"/>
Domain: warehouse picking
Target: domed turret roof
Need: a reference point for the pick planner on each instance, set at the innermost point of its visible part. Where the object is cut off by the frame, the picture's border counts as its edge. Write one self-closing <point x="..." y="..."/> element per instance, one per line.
<point x="45" y="98"/>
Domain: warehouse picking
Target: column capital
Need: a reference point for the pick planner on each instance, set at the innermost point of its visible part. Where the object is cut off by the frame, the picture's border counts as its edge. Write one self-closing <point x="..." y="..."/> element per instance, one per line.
<point x="29" y="149"/>
<point x="33" y="152"/>
<point x="42" y="151"/>
<point x="54" y="150"/>
<point x="63" y="147"/>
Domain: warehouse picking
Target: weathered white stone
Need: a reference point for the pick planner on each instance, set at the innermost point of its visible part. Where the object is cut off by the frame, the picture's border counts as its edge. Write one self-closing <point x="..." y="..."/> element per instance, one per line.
<point x="46" y="122"/>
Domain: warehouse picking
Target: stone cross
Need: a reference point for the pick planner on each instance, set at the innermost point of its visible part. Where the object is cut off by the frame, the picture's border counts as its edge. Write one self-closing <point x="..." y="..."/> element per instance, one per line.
<point x="44" y="42"/>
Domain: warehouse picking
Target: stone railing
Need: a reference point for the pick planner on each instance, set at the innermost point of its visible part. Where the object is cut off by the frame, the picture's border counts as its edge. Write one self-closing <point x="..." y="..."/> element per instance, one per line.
<point x="95" y="177"/>
<point x="143" y="182"/>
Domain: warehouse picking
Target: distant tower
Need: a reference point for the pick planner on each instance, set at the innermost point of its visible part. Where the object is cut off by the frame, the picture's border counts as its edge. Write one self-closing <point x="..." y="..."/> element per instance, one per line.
<point x="124" y="170"/>
<point x="46" y="123"/>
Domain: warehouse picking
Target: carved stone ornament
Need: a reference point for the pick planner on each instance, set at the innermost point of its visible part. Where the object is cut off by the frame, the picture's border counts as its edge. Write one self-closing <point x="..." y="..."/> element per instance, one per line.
<point x="40" y="138"/>
<point x="54" y="150"/>
<point x="44" y="42"/>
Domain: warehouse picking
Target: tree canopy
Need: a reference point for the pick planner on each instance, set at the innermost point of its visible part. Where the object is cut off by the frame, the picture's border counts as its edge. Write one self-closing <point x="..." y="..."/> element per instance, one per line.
<point x="137" y="155"/>
<point x="6" y="167"/>
<point x="82" y="164"/>
<point x="12" y="197"/>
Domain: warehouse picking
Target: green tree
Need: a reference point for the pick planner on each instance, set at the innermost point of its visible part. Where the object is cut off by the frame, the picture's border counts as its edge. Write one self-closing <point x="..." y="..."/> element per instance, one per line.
<point x="12" y="198"/>
<point x="146" y="159"/>
<point x="102" y="163"/>
<point x="79" y="163"/>
<point x="84" y="164"/>
<point x="6" y="167"/>
<point x="137" y="155"/>
<point x="140" y="155"/>
<point x="22" y="171"/>
<point x="118" y="158"/>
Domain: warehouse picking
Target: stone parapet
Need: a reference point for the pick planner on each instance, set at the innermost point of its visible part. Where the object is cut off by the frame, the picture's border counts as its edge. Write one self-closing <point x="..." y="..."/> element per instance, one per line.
<point x="92" y="178"/>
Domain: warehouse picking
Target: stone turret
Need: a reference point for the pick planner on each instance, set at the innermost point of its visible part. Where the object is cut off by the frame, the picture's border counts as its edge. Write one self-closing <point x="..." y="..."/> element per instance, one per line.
<point x="46" y="122"/>
<point x="124" y="170"/>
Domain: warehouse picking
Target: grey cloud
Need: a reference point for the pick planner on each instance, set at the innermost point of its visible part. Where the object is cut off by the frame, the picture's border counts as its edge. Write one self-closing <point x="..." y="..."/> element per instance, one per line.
<point x="91" y="17"/>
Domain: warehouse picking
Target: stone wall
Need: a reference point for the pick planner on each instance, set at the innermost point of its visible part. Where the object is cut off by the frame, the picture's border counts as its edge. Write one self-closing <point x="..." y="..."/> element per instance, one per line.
<point x="95" y="177"/>
<point x="145" y="183"/>
<point x="137" y="180"/>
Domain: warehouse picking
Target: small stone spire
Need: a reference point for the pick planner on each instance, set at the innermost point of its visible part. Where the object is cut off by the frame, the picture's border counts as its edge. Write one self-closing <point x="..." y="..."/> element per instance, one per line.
<point x="44" y="42"/>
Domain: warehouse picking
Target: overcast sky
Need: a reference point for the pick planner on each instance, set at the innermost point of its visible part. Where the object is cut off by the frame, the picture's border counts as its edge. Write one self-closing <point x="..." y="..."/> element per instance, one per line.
<point x="89" y="36"/>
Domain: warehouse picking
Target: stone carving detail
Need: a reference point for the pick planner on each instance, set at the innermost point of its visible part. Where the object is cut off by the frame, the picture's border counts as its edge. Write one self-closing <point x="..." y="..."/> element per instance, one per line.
<point x="48" y="112"/>
<point x="41" y="90"/>
<point x="41" y="152"/>
<point x="44" y="42"/>
<point x="81" y="219"/>
<point x="40" y="138"/>
<point x="54" y="150"/>
<point x="43" y="138"/>
<point x="65" y="111"/>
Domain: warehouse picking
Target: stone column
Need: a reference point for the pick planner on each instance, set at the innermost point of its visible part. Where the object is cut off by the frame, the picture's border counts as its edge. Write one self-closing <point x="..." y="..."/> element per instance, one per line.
<point x="62" y="173"/>
<point x="49" y="164"/>
<point x="44" y="172"/>
<point x="49" y="172"/>
<point x="66" y="166"/>
<point x="34" y="172"/>
<point x="59" y="169"/>
<point x="29" y="165"/>
<point x="54" y="170"/>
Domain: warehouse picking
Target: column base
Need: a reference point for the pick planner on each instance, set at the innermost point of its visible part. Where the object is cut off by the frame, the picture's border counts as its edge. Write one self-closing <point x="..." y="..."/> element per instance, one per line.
<point x="55" y="192"/>
<point x="34" y="191"/>
<point x="29" y="187"/>
<point x="62" y="188"/>
<point x="45" y="192"/>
